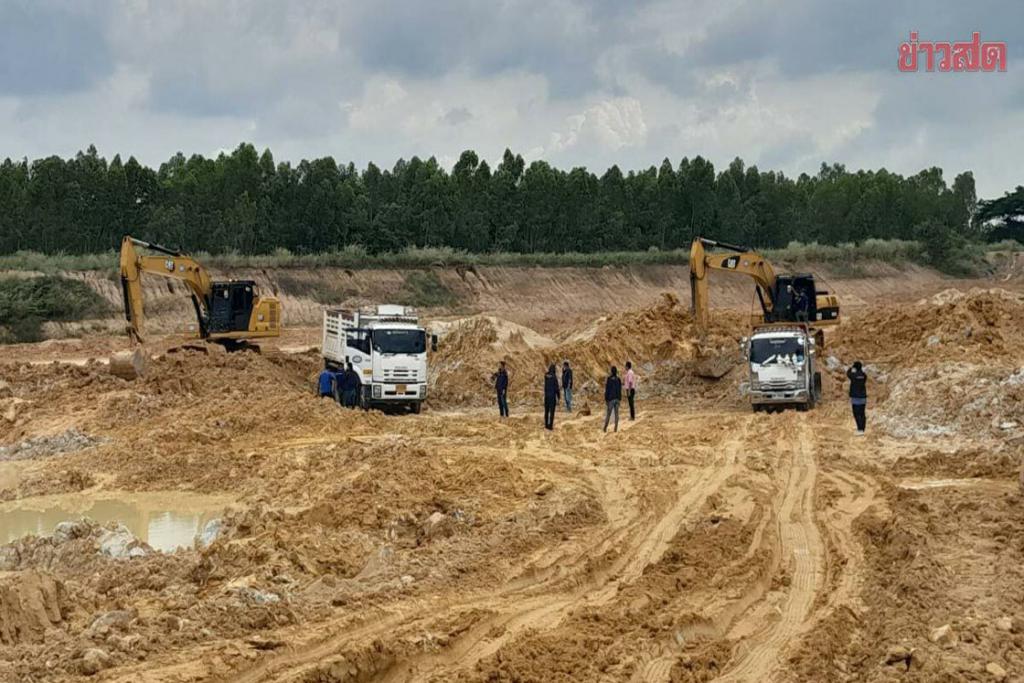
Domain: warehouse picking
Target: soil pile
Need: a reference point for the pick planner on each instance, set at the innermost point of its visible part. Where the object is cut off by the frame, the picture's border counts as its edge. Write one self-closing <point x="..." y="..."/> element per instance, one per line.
<point x="954" y="397"/>
<point x="662" y="341"/>
<point x="948" y="364"/>
<point x="971" y="327"/>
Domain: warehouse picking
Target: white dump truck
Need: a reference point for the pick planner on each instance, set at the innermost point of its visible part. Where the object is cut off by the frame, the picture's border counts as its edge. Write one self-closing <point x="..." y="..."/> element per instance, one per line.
<point x="386" y="346"/>
<point x="782" y="369"/>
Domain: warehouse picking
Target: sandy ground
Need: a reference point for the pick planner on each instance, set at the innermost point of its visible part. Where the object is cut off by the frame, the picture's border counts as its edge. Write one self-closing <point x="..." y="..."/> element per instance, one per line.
<point x="700" y="542"/>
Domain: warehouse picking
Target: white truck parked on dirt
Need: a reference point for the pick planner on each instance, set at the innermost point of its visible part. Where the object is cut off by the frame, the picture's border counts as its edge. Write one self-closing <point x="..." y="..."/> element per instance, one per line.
<point x="387" y="348"/>
<point x="782" y="369"/>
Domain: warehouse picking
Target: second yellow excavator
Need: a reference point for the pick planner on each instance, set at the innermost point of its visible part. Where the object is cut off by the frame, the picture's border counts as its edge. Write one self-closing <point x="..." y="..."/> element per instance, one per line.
<point x="229" y="312"/>
<point x="783" y="298"/>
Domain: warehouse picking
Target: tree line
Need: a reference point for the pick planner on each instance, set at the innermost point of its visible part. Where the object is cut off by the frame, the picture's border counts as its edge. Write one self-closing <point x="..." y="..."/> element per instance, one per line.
<point x="246" y="202"/>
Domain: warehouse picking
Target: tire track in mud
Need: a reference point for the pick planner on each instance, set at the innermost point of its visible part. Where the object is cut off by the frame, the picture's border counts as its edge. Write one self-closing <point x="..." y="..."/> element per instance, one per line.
<point x="800" y="540"/>
<point x="601" y="587"/>
<point x="540" y="598"/>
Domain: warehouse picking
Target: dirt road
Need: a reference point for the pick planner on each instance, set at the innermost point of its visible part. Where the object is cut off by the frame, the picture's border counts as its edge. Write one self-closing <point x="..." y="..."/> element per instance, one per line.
<point x="700" y="542"/>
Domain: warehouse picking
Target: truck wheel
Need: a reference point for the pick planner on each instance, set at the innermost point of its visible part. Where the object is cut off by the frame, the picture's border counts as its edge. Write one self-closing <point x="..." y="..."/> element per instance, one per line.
<point x="416" y="408"/>
<point x="816" y="395"/>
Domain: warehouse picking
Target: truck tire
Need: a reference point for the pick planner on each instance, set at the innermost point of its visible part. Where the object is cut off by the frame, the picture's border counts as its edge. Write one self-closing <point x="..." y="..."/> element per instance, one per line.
<point x="816" y="388"/>
<point x="416" y="407"/>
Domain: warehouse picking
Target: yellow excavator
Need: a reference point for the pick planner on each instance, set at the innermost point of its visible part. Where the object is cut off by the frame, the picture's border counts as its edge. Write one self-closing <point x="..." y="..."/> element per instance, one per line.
<point x="229" y="313"/>
<point x="786" y="336"/>
<point x="784" y="298"/>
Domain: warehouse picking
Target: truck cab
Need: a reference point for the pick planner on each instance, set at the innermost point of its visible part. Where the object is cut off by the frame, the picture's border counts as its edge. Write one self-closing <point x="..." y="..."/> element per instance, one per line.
<point x="781" y="365"/>
<point x="388" y="350"/>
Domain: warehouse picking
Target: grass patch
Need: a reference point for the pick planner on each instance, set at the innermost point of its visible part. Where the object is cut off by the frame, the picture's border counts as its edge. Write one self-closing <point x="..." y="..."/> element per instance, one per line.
<point x="357" y="258"/>
<point x="889" y="251"/>
<point x="26" y="303"/>
<point x="424" y="289"/>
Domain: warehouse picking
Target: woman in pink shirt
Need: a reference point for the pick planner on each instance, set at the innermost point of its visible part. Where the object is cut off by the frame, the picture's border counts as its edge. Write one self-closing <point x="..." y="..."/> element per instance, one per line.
<point x="631" y="390"/>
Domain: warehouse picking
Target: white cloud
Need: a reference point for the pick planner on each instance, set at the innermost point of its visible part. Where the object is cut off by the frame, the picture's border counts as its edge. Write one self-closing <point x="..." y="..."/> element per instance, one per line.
<point x="613" y="124"/>
<point x="783" y="85"/>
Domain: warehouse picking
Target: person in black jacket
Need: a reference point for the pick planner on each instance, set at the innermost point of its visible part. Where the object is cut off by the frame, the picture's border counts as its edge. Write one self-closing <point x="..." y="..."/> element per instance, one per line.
<point x="353" y="387"/>
<point x="567" y="386"/>
<point x="551" y="395"/>
<point x="501" y="387"/>
<point x="612" y="397"/>
<point x="858" y="395"/>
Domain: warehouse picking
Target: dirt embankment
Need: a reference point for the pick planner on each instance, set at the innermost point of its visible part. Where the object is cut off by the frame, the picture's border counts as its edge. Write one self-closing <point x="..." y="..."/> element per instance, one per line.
<point x="552" y="300"/>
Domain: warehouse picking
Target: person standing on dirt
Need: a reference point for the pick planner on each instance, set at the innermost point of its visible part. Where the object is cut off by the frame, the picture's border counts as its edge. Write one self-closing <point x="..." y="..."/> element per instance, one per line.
<point x="352" y="385"/>
<point x="325" y="383"/>
<point x="630" y="390"/>
<point x="551" y="397"/>
<point x="567" y="386"/>
<point x="858" y="395"/>
<point x="500" y="379"/>
<point x="612" y="397"/>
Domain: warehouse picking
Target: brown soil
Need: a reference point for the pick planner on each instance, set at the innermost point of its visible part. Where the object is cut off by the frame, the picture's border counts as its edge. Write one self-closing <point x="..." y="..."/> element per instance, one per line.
<point x="700" y="542"/>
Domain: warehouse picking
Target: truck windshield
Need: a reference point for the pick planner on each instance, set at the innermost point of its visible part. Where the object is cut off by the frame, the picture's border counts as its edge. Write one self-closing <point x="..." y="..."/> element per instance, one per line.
<point x="399" y="341"/>
<point x="768" y="350"/>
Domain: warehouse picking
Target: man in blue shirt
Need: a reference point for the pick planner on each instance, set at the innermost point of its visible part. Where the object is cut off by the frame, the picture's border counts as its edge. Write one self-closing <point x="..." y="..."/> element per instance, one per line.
<point x="325" y="385"/>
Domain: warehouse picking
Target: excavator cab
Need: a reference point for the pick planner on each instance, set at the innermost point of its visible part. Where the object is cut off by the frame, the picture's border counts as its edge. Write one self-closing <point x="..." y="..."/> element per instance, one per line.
<point x="797" y="299"/>
<point x="230" y="306"/>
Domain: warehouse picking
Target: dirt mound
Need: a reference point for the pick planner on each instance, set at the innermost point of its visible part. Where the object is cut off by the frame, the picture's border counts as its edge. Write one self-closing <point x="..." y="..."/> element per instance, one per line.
<point x="974" y="326"/>
<point x="662" y="341"/>
<point x="30" y="603"/>
<point x="952" y="397"/>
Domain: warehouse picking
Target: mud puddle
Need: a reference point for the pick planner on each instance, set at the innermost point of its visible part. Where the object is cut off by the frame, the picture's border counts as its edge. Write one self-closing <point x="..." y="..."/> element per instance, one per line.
<point x="166" y="521"/>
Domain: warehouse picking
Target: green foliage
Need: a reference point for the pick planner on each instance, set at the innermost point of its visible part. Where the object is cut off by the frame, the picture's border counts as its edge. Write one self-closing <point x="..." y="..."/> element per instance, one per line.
<point x="356" y="258"/>
<point x="1005" y="245"/>
<point x="242" y="207"/>
<point x="25" y="303"/>
<point x="424" y="289"/>
<point x="1003" y="218"/>
<point x="946" y="249"/>
<point x="892" y="251"/>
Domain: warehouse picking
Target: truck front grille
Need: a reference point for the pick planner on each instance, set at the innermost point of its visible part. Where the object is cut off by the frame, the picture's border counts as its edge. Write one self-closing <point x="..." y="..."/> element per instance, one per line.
<point x="400" y="375"/>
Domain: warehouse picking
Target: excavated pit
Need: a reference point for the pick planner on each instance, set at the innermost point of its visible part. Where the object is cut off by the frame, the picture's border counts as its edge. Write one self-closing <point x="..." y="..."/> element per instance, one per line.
<point x="700" y="542"/>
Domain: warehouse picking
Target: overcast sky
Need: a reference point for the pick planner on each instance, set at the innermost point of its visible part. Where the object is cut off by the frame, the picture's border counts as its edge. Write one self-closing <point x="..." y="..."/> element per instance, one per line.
<point x="785" y="84"/>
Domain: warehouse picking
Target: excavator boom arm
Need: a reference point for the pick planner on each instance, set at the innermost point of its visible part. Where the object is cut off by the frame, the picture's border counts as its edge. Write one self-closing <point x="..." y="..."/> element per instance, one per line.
<point x="172" y="264"/>
<point x="739" y="260"/>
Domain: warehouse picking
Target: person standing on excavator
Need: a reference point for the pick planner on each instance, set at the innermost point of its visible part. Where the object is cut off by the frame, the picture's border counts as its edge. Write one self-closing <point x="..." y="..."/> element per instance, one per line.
<point x="798" y="304"/>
